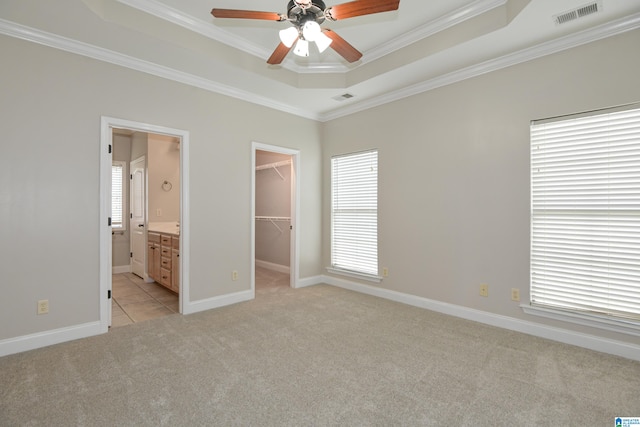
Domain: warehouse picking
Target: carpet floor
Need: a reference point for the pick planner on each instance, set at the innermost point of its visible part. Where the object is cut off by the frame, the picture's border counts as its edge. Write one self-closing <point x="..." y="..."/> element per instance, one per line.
<point x="318" y="356"/>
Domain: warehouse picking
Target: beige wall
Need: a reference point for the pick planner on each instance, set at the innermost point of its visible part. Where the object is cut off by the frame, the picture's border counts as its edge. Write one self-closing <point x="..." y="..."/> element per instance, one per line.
<point x="163" y="164"/>
<point x="454" y="171"/>
<point x="50" y="111"/>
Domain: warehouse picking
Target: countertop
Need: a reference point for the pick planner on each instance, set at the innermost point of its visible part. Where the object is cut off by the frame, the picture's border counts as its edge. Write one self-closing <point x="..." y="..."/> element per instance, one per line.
<point x="165" y="227"/>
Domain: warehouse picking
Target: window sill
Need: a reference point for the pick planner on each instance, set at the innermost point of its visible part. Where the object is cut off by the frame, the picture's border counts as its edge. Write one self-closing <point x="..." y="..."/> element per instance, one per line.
<point x="622" y="326"/>
<point x="355" y="274"/>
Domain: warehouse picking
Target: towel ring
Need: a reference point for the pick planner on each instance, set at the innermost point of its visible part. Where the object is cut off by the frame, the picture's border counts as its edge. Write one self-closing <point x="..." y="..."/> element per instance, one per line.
<point x="167" y="186"/>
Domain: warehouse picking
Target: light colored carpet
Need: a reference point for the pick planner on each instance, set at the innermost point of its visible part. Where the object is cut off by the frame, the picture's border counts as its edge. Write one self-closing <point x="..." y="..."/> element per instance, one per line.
<point x="313" y="357"/>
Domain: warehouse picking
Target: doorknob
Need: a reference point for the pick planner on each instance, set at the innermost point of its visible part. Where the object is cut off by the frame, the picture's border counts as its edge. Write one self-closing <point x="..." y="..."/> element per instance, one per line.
<point x="140" y="225"/>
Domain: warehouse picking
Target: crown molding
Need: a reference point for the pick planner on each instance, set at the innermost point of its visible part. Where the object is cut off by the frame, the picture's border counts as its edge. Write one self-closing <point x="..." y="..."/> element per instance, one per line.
<point x="178" y="17"/>
<point x="609" y="29"/>
<point x="33" y="35"/>
<point x="428" y="29"/>
<point x="600" y="32"/>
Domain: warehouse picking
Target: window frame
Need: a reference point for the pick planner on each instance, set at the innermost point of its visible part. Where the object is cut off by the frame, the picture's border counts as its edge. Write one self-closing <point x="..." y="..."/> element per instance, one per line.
<point x="365" y="206"/>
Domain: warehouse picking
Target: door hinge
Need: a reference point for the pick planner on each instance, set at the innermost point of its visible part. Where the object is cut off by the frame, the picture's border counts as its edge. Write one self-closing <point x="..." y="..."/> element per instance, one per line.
<point x="109" y="294"/>
<point x="131" y="176"/>
<point x="131" y="215"/>
<point x="109" y="148"/>
<point x="109" y="221"/>
<point x="130" y="254"/>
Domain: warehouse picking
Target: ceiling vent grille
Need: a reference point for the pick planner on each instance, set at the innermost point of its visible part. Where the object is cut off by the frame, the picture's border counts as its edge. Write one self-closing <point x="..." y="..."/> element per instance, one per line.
<point x="580" y="12"/>
<point x="343" y="97"/>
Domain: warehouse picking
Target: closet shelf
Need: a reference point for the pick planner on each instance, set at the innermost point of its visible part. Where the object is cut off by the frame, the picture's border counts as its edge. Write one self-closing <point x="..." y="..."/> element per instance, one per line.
<point x="274" y="166"/>
<point x="273" y="220"/>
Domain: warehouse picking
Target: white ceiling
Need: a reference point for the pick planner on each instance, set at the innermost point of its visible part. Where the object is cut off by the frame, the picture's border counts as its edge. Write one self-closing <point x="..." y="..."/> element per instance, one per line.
<point x="423" y="45"/>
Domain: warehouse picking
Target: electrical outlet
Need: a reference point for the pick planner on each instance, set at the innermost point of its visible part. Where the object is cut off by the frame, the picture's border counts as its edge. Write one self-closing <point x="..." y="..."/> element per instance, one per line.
<point x="515" y="294"/>
<point x="43" y="306"/>
<point x="234" y="275"/>
<point x="158" y="212"/>
<point x="484" y="290"/>
<point x="385" y="272"/>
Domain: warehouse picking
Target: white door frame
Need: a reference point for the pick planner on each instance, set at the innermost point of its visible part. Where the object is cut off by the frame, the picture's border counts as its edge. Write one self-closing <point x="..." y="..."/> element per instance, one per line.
<point x="294" y="249"/>
<point x="106" y="136"/>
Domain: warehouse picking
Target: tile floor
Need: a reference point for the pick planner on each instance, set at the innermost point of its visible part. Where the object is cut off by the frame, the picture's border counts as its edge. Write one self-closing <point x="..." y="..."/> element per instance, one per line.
<point x="134" y="300"/>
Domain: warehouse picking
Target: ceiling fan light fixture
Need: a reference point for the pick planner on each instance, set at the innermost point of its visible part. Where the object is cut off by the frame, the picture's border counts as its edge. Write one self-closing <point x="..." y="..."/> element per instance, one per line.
<point x="323" y="42"/>
<point x="302" y="48"/>
<point x="288" y="36"/>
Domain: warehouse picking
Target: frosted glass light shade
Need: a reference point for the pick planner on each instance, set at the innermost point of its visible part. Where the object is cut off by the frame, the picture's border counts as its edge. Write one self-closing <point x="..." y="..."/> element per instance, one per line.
<point x="288" y="36"/>
<point x="323" y="42"/>
<point x="302" y="48"/>
<point x="311" y="30"/>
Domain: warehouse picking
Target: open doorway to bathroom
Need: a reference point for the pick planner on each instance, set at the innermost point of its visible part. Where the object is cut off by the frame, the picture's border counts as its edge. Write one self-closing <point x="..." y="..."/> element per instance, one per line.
<point x="275" y="218"/>
<point x="143" y="270"/>
<point x="146" y="228"/>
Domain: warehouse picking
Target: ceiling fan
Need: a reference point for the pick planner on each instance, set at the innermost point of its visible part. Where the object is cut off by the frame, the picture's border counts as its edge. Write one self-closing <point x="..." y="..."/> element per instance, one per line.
<point x="306" y="17"/>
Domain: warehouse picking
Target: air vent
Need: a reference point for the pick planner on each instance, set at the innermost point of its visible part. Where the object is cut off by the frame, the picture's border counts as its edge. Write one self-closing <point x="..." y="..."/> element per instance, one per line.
<point x="343" y="97"/>
<point x="581" y="12"/>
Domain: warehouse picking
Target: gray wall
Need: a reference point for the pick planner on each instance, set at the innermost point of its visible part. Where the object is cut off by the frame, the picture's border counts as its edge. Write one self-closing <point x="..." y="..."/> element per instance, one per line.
<point x="50" y="111"/>
<point x="454" y="172"/>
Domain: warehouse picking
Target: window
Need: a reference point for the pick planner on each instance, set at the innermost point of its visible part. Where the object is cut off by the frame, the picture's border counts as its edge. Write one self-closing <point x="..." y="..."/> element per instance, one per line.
<point x="585" y="213"/>
<point x="118" y="170"/>
<point x="354" y="213"/>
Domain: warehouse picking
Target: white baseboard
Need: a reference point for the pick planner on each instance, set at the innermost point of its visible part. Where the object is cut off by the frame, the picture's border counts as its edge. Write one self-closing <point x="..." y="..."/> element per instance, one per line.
<point x="592" y="342"/>
<point x="310" y="281"/>
<point x="271" y="266"/>
<point x="119" y="269"/>
<point x="215" y="302"/>
<point x="46" y="338"/>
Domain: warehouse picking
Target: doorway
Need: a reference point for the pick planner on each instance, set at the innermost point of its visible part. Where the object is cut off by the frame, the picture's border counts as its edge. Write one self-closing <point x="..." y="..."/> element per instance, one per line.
<point x="275" y="207"/>
<point x="180" y="141"/>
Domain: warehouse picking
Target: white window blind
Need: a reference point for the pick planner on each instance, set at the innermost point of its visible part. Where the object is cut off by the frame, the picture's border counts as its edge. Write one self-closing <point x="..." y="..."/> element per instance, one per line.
<point x="117" y="194"/>
<point x="354" y="219"/>
<point x="585" y="188"/>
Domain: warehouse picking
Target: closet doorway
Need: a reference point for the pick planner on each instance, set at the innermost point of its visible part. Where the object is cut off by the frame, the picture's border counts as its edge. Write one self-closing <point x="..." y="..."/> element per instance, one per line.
<point x="274" y="213"/>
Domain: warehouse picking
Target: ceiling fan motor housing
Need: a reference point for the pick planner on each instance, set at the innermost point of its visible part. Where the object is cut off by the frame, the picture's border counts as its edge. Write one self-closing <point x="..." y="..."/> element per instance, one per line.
<point x="299" y="12"/>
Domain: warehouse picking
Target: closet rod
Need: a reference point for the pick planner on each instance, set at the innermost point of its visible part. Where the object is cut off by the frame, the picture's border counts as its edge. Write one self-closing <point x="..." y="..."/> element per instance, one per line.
<point x="275" y="167"/>
<point x="273" y="218"/>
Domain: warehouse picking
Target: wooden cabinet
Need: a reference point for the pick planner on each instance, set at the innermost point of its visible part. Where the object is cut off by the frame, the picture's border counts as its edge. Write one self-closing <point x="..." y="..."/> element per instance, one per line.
<point x="163" y="263"/>
<point x="153" y="256"/>
<point x="175" y="264"/>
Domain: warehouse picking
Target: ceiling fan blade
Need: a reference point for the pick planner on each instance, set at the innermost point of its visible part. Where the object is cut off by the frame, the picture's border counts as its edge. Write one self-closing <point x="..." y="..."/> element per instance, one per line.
<point x="361" y="7"/>
<point x="278" y="55"/>
<point x="341" y="46"/>
<point x="246" y="14"/>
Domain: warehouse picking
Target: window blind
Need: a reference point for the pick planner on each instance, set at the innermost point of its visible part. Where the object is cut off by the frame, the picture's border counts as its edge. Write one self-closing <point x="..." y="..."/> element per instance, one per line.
<point x="585" y="219"/>
<point x="117" y="195"/>
<point x="354" y="221"/>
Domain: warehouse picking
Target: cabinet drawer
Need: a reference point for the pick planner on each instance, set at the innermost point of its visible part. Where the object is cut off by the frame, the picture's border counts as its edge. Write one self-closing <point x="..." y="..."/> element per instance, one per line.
<point x="165" y="251"/>
<point x="165" y="240"/>
<point x="165" y="277"/>
<point x="166" y="263"/>
<point x="175" y="242"/>
<point x="153" y="237"/>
